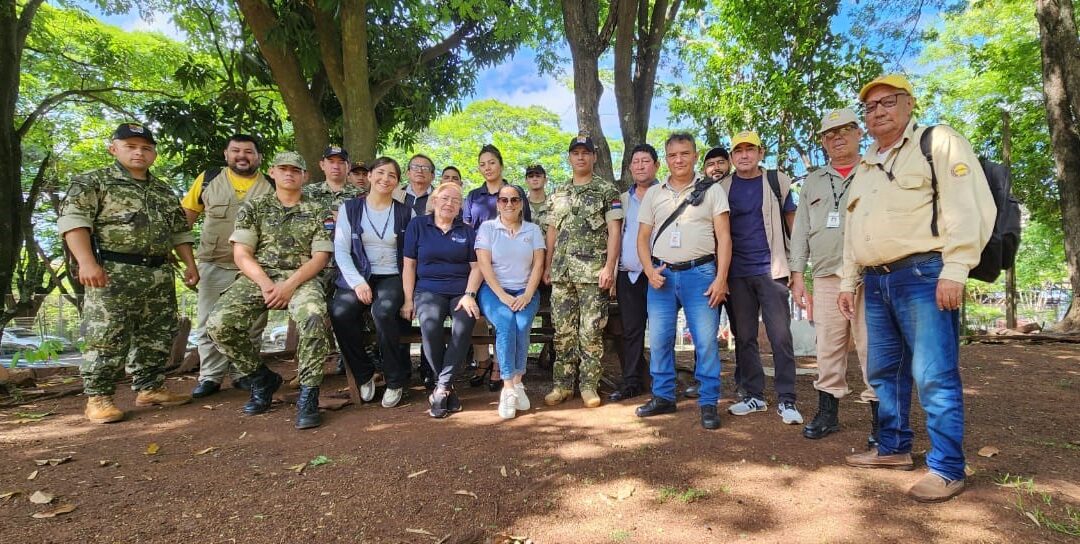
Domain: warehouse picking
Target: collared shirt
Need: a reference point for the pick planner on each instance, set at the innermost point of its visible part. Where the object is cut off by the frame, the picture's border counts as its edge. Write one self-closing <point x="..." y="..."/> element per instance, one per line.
<point x="284" y="238"/>
<point x="442" y="258"/>
<point x="327" y="196"/>
<point x="889" y="220"/>
<point x="540" y="211"/>
<point x="628" y="259"/>
<point x="579" y="215"/>
<point x="511" y="256"/>
<point x="825" y="191"/>
<point x="481" y="205"/>
<point x="407" y="196"/>
<point x="692" y="235"/>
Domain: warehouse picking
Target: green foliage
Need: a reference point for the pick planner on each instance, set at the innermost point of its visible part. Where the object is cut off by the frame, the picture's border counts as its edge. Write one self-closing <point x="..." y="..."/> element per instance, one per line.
<point x="686" y="496"/>
<point x="320" y="460"/>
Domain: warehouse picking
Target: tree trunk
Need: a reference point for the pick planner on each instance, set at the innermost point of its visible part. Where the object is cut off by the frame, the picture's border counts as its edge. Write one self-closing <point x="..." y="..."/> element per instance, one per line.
<point x="1010" y="273"/>
<point x="361" y="128"/>
<point x="581" y="20"/>
<point x="1061" y="84"/>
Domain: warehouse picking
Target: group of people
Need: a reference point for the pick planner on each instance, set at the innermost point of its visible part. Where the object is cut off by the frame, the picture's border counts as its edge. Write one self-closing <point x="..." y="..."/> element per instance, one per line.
<point x="366" y="254"/>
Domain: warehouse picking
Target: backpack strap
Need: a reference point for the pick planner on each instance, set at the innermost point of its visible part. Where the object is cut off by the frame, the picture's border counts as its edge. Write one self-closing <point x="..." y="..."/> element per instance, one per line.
<point x="927" y="151"/>
<point x="774" y="183"/>
<point x="207" y="177"/>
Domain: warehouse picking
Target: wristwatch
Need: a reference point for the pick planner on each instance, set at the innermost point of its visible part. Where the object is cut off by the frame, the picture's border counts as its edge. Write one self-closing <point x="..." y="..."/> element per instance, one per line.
<point x="471" y="293"/>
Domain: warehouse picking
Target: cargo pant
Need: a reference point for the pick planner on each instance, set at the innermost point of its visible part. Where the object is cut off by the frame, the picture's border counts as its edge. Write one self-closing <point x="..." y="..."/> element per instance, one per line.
<point x="214" y="280"/>
<point x="579" y="312"/>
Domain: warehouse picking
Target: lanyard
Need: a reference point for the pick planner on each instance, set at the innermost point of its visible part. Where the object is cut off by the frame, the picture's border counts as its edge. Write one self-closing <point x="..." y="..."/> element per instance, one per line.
<point x="832" y="185"/>
<point x="386" y="225"/>
<point x="895" y="154"/>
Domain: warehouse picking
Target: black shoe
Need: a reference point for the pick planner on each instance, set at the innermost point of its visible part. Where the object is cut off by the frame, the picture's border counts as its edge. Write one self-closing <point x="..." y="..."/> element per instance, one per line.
<point x="307" y="408"/>
<point x="438" y="401"/>
<point x="875" y="426"/>
<point x="826" y="421"/>
<point x="625" y="393"/>
<point x="453" y="403"/>
<point x="692" y="391"/>
<point x="655" y="407"/>
<point x="476" y="380"/>
<point x="264" y="383"/>
<point x="205" y="389"/>
<point x="710" y="419"/>
<point x="243" y="384"/>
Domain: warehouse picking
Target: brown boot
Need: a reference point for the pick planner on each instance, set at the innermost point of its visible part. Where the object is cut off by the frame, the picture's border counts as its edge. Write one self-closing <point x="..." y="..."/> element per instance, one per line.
<point x="590" y="398"/>
<point x="872" y="459"/>
<point x="557" y="396"/>
<point x="100" y="409"/>
<point x="161" y="397"/>
<point x="934" y="488"/>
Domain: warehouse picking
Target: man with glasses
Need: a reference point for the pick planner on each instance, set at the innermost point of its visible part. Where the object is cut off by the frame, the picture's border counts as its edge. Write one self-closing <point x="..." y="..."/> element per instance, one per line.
<point x="421" y="173"/>
<point x="818" y="238"/>
<point x="912" y="246"/>
<point x="684" y="244"/>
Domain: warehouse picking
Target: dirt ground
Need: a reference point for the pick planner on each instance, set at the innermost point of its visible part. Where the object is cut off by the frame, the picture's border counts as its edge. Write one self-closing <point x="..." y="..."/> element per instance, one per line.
<point x="553" y="475"/>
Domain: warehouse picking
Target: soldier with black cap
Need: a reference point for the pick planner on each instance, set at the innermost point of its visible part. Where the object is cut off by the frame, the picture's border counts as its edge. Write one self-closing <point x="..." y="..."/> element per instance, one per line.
<point x="583" y="240"/>
<point x="536" y="180"/>
<point x="358" y="173"/>
<point x="122" y="224"/>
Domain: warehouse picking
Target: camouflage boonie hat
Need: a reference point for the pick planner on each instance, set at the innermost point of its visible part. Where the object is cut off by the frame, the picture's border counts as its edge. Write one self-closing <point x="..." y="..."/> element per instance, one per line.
<point x="289" y="158"/>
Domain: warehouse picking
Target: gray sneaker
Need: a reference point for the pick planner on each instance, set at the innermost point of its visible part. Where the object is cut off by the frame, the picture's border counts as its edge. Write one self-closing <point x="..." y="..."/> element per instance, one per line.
<point x="747" y="405"/>
<point x="789" y="413"/>
<point x="367" y="391"/>
<point x="391" y="397"/>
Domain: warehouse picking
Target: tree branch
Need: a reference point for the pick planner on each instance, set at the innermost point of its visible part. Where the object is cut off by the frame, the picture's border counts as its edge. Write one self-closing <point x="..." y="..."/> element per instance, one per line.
<point x="379" y="90"/>
<point x="55" y="100"/>
<point x="326" y="32"/>
<point x="26" y="22"/>
<point x="603" y="39"/>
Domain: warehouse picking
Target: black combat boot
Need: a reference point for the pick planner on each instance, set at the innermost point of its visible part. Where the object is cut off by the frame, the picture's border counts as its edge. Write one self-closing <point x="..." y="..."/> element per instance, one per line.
<point x="875" y="426"/>
<point x="264" y="382"/>
<point x="307" y="408"/>
<point x="826" y="420"/>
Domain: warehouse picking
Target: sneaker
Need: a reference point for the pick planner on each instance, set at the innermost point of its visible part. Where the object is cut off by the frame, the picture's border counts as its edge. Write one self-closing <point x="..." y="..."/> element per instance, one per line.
<point x="522" y="398"/>
<point x="508" y="403"/>
<point x="747" y="405"/>
<point x="438" y="403"/>
<point x="789" y="413"/>
<point x="391" y="397"/>
<point x="367" y="391"/>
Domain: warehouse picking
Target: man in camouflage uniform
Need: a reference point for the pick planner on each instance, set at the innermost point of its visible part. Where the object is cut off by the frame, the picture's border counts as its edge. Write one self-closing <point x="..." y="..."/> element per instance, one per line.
<point x="121" y="223"/>
<point x="583" y="237"/>
<point x="358" y="178"/>
<point x="280" y="246"/>
<point x="539" y="203"/>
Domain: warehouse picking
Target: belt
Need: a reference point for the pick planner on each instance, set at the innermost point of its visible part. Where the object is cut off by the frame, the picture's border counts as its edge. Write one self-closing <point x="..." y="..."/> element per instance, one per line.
<point x="685" y="265"/>
<point x="900" y="264"/>
<point x="155" y="261"/>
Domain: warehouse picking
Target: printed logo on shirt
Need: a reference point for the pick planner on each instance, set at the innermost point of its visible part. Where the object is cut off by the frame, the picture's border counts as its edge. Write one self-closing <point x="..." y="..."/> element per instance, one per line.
<point x="459" y="238"/>
<point x="960" y="170"/>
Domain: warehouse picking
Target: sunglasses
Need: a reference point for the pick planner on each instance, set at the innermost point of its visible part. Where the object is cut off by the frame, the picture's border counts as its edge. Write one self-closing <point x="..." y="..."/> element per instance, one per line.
<point x="509" y="200"/>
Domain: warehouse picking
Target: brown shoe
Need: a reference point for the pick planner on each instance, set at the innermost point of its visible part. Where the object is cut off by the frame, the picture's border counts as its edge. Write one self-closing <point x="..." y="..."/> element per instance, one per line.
<point x="100" y="409"/>
<point x="161" y="397"/>
<point x="872" y="459"/>
<point x="557" y="396"/>
<point x="934" y="488"/>
<point x="590" y="398"/>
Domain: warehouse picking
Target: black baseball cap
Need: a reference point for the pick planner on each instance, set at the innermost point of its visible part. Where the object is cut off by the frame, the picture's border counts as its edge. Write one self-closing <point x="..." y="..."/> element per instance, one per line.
<point x="133" y="130"/>
<point x="535" y="169"/>
<point x="717" y="152"/>
<point x="358" y="165"/>
<point x="582" y="139"/>
<point x="335" y="151"/>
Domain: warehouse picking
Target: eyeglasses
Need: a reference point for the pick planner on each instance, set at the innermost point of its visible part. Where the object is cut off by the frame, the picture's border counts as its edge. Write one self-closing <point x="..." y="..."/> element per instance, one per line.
<point x="888" y="101"/>
<point x="509" y="200"/>
<point x="420" y="168"/>
<point x="845" y="131"/>
<point x="449" y="199"/>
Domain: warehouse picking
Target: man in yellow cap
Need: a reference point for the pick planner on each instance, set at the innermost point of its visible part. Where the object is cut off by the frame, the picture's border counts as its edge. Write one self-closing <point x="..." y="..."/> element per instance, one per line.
<point x="912" y="246"/>
<point x="818" y="238"/>
<point x="762" y="210"/>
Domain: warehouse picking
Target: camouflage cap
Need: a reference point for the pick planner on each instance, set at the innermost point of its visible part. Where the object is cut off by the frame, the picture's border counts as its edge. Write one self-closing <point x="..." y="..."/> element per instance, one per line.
<point x="289" y="158"/>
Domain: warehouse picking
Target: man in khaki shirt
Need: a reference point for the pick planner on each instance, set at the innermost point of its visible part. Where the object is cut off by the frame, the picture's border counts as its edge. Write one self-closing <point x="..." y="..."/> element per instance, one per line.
<point x="818" y="237"/>
<point x="913" y="280"/>
<point x="686" y="259"/>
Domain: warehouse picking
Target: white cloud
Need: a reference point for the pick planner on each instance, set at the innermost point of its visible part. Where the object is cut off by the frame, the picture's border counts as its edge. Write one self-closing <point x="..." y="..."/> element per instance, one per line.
<point x="161" y="24"/>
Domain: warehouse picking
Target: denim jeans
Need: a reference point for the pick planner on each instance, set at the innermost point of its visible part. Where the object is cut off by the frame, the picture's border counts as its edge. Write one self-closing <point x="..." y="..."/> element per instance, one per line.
<point x="684" y="288"/>
<point x="511" y="329"/>
<point x="911" y="340"/>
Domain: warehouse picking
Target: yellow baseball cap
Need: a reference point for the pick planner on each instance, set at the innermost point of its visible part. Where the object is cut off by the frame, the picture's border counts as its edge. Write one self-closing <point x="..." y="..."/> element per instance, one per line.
<point x="892" y="80"/>
<point x="745" y="137"/>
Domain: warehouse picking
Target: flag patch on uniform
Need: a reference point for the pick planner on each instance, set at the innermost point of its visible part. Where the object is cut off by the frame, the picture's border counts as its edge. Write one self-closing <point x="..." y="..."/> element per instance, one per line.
<point x="616" y="204"/>
<point x="329" y="223"/>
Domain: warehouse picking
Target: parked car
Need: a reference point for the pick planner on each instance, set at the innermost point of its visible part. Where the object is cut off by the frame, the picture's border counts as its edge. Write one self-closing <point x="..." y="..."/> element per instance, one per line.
<point x="22" y="339"/>
<point x="278" y="334"/>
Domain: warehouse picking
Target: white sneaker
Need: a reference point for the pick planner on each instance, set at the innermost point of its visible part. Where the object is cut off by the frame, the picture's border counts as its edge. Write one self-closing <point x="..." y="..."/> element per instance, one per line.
<point x="508" y="404"/>
<point x="748" y="405"/>
<point x="367" y="391"/>
<point x="522" y="398"/>
<point x="789" y="413"/>
<point x="391" y="397"/>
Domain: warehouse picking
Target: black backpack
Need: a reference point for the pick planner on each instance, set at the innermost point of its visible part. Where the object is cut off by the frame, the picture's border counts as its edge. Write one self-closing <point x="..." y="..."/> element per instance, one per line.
<point x="1000" y="251"/>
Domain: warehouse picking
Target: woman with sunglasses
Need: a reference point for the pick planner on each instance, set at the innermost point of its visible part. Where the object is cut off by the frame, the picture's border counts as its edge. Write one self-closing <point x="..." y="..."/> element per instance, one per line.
<point x="440" y="278"/>
<point x="510" y="251"/>
<point x="368" y="243"/>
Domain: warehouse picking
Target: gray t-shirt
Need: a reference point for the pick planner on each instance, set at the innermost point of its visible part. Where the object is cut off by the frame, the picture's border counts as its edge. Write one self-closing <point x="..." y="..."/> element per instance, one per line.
<point x="511" y="257"/>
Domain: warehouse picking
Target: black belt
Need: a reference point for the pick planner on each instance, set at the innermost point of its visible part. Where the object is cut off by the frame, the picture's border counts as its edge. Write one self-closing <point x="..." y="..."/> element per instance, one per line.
<point x="155" y="261"/>
<point x="685" y="265"/>
<point x="906" y="262"/>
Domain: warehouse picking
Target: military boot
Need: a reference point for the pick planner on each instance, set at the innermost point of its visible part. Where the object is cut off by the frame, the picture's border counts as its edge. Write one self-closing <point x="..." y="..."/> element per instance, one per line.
<point x="557" y="396"/>
<point x="100" y="409"/>
<point x="307" y="408"/>
<point x="160" y="396"/>
<point x="264" y="382"/>
<point x="875" y="426"/>
<point x="826" y="421"/>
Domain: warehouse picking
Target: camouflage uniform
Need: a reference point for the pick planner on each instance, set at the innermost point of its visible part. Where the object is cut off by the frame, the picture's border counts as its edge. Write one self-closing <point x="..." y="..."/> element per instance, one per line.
<point x="130" y="323"/>
<point x="284" y="239"/>
<point x="579" y="307"/>
<point x="540" y="211"/>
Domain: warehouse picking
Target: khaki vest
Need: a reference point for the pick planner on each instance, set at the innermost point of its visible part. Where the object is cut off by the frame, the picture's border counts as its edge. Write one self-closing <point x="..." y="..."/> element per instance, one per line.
<point x="770" y="212"/>
<point x="220" y="206"/>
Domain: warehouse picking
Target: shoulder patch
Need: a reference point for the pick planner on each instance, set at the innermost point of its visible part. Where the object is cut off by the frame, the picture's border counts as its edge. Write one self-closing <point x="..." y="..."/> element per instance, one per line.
<point x="960" y="170"/>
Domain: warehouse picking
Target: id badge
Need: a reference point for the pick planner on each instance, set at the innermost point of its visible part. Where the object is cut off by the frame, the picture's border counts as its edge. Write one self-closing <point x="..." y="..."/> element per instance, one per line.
<point x="833" y="220"/>
<point x="676" y="239"/>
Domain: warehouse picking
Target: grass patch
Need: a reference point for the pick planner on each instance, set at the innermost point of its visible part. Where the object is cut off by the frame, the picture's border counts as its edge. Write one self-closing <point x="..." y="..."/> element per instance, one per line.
<point x="1039" y="507"/>
<point x="621" y="535"/>
<point x="685" y="496"/>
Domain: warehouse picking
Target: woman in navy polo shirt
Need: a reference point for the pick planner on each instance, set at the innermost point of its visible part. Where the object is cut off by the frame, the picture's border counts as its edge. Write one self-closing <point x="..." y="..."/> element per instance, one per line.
<point x="510" y="251"/>
<point x="440" y="278"/>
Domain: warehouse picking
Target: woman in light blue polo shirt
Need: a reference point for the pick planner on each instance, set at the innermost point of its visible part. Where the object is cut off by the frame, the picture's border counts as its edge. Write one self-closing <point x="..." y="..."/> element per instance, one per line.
<point x="510" y="252"/>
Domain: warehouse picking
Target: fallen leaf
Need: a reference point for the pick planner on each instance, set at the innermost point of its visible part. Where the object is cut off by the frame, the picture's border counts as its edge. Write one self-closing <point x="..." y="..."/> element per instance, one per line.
<point x="52" y="462"/>
<point x="419" y="532"/>
<point x="39" y="497"/>
<point x="152" y="449"/>
<point x="298" y="468"/>
<point x="502" y="470"/>
<point x="1033" y="518"/>
<point x="205" y="451"/>
<point x="417" y="473"/>
<point x="988" y="451"/>
<point x="9" y="494"/>
<point x="242" y="435"/>
<point x="208" y="407"/>
<point x="107" y="463"/>
<point x="32" y="475"/>
<point x="969" y="470"/>
<point x="62" y="509"/>
<point x="320" y="460"/>
<point x="465" y="493"/>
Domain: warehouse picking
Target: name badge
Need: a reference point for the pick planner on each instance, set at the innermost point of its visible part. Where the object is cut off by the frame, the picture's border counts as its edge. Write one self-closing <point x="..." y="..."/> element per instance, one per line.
<point x="833" y="220"/>
<point x="676" y="239"/>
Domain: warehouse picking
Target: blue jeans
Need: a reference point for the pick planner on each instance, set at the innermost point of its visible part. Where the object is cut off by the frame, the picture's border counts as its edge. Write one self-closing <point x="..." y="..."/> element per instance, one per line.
<point x="511" y="329"/>
<point x="684" y="288"/>
<point x="911" y="340"/>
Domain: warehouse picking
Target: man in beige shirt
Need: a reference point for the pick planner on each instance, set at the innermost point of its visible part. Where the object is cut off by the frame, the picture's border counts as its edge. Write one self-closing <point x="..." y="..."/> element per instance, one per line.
<point x="912" y="245"/>
<point x="818" y="237"/>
